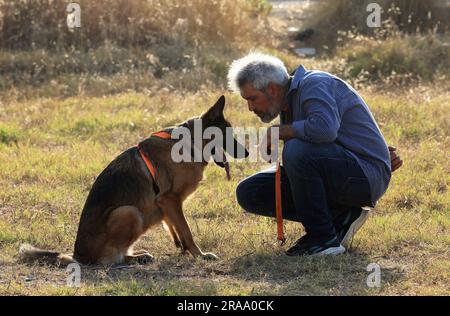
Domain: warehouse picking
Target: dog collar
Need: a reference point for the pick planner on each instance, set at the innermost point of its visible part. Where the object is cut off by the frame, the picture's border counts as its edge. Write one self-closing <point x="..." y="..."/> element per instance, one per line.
<point x="147" y="161"/>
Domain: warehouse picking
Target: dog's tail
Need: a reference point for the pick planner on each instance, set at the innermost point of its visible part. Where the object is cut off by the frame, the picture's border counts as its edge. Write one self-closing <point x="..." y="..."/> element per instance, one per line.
<point x="30" y="254"/>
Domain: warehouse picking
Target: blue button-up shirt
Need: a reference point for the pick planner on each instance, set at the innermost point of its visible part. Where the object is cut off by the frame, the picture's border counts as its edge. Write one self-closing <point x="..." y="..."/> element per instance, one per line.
<point x="324" y="108"/>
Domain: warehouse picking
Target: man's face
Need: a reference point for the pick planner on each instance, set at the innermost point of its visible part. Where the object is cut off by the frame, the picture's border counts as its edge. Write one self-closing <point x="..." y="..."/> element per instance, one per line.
<point x="266" y="104"/>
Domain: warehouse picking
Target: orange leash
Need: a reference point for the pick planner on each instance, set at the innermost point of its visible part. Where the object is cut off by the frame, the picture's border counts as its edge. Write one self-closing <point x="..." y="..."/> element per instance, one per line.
<point x="278" y="206"/>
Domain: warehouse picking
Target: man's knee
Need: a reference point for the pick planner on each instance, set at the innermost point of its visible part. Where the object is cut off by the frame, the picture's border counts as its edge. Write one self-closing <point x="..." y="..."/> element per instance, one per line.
<point x="297" y="152"/>
<point x="244" y="192"/>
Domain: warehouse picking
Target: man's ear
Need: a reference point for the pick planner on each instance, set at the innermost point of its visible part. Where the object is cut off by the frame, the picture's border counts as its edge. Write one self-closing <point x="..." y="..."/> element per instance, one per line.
<point x="272" y="89"/>
<point x="215" y="111"/>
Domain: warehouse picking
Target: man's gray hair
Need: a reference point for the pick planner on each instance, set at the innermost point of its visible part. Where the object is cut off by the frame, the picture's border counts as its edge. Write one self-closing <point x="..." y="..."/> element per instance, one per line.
<point x="257" y="69"/>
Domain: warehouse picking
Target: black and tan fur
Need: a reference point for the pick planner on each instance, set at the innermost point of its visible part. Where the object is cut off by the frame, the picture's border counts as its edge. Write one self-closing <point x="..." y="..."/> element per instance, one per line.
<point x="124" y="202"/>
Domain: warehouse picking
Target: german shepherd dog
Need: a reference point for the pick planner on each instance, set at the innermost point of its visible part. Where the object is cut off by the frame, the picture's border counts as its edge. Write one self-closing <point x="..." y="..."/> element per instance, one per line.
<point x="125" y="201"/>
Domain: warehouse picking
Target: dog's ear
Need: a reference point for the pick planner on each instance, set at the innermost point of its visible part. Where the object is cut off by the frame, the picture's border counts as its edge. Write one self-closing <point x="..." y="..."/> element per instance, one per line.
<point x="216" y="111"/>
<point x="218" y="162"/>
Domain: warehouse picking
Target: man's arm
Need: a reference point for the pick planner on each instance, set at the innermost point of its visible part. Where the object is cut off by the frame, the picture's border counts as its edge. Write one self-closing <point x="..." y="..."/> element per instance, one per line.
<point x="287" y="132"/>
<point x="321" y="115"/>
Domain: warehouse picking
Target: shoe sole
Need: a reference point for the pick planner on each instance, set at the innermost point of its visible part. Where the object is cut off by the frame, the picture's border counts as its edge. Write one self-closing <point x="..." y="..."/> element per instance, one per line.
<point x="354" y="227"/>
<point x="332" y="251"/>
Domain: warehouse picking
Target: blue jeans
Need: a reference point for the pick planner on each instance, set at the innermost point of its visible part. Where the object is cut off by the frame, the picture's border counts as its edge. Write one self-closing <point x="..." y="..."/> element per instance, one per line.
<point x="317" y="182"/>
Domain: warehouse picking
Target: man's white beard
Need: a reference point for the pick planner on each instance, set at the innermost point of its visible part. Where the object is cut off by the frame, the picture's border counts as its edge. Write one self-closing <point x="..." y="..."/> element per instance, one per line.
<point x="272" y="114"/>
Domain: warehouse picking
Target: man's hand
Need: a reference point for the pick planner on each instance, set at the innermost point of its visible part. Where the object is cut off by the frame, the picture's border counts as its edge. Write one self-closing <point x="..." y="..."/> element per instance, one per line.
<point x="266" y="141"/>
<point x="396" y="161"/>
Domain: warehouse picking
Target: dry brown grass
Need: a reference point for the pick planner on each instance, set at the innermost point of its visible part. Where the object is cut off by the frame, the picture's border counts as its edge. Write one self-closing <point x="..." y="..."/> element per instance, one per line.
<point x="42" y="23"/>
<point x="328" y="17"/>
<point x="51" y="150"/>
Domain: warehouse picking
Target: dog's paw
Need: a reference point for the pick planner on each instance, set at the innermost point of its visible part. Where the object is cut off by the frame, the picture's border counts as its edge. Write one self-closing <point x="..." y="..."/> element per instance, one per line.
<point x="209" y="256"/>
<point x="145" y="259"/>
<point x="140" y="258"/>
<point x="179" y="245"/>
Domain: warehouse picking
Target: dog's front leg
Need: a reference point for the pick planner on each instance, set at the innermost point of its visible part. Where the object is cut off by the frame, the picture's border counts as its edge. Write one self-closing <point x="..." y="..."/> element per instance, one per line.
<point x="174" y="236"/>
<point x="174" y="217"/>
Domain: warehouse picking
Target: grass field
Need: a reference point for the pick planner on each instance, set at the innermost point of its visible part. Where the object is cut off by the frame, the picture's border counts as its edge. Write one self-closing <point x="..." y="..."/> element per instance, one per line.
<point x="70" y="102"/>
<point x="51" y="150"/>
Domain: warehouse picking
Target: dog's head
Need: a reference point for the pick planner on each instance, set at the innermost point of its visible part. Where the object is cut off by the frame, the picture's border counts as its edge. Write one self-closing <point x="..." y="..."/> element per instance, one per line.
<point x="215" y="119"/>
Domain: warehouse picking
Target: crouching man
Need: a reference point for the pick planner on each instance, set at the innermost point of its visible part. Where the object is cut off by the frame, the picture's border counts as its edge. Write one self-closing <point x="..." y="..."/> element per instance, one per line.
<point x="334" y="162"/>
